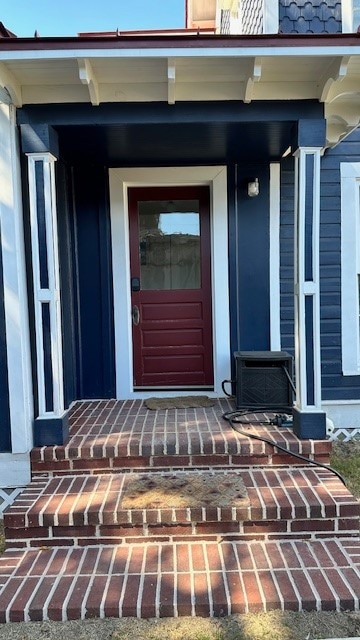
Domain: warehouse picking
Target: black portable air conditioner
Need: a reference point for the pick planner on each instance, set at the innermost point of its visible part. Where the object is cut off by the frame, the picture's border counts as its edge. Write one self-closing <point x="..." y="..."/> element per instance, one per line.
<point x="262" y="380"/>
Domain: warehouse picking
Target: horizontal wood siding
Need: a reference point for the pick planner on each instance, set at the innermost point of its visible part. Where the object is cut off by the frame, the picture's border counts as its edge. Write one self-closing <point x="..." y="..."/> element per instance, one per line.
<point x="287" y="256"/>
<point x="335" y="386"/>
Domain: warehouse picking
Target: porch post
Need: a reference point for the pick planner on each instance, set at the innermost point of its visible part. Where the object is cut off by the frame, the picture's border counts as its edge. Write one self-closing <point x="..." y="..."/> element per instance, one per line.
<point x="51" y="426"/>
<point x="16" y="407"/>
<point x="309" y="419"/>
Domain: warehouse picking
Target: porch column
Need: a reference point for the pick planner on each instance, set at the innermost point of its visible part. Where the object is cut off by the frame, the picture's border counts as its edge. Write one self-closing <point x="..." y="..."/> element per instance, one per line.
<point x="16" y="410"/>
<point x="309" y="419"/>
<point x="51" y="425"/>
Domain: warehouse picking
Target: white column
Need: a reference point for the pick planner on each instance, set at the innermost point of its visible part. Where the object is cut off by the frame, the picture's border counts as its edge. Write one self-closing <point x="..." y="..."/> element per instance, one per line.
<point x="307" y="280"/>
<point x="15" y="467"/>
<point x="45" y="262"/>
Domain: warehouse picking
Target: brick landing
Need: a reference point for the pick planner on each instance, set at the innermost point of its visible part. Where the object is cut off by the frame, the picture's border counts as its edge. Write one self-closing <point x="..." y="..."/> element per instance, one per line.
<point x="108" y="436"/>
<point x="152" y="580"/>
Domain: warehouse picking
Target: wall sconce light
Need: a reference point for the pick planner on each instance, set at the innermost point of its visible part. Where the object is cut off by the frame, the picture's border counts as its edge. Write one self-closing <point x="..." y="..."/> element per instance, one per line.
<point x="253" y="188"/>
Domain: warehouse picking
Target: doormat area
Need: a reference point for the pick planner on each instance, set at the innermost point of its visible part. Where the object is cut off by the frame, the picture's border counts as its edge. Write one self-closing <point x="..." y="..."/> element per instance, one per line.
<point x="182" y="490"/>
<point x="179" y="402"/>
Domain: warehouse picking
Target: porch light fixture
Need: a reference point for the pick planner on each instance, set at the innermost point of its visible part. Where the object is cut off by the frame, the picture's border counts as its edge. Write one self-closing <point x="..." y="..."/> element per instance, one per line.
<point x="253" y="188"/>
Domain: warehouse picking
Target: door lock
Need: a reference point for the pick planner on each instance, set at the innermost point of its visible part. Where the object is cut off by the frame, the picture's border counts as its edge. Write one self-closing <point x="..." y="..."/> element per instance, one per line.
<point x="135" y="313"/>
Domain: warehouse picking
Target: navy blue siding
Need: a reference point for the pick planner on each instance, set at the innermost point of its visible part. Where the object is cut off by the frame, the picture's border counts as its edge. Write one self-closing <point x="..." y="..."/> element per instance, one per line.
<point x="249" y="261"/>
<point x="317" y="16"/>
<point x="5" y="433"/>
<point x="67" y="281"/>
<point x="94" y="312"/>
<point x="335" y="386"/>
<point x="287" y="256"/>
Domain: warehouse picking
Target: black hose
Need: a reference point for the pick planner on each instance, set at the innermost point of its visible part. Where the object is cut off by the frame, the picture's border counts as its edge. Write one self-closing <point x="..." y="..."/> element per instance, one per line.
<point x="231" y="416"/>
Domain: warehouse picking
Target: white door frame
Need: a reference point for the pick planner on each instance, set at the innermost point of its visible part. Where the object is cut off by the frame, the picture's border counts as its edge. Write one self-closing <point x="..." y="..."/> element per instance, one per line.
<point x="120" y="181"/>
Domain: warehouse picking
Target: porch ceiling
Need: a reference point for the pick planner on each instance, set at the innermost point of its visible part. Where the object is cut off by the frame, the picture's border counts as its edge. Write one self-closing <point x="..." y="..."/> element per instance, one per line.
<point x="173" y="70"/>
<point x="156" y="144"/>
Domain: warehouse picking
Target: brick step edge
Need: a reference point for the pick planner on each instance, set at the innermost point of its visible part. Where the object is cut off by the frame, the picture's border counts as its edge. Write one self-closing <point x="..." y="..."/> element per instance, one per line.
<point x="184" y="579"/>
<point x="101" y="465"/>
<point x="174" y="532"/>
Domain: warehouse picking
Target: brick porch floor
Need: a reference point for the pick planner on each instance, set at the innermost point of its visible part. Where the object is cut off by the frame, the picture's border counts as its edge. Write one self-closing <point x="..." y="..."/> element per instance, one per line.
<point x="75" y="552"/>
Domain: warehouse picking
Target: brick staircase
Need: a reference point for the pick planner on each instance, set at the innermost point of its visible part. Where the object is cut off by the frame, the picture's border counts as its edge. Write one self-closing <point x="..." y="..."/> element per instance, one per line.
<point x="74" y="551"/>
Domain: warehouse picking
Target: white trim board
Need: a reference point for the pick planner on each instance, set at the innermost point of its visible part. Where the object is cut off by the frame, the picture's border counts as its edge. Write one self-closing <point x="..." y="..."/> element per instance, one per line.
<point x="14" y="470"/>
<point x="350" y="267"/>
<point x="183" y="52"/>
<point x="120" y="180"/>
<point x="15" y="291"/>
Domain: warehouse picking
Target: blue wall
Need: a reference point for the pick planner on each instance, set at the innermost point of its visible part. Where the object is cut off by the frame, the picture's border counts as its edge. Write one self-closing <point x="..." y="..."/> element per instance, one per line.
<point x="335" y="386"/>
<point x="92" y="298"/>
<point x="249" y="259"/>
<point x="5" y="433"/>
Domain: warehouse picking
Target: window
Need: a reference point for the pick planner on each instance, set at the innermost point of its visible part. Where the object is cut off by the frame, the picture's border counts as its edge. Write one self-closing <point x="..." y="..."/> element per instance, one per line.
<point x="350" y="267"/>
<point x="350" y="15"/>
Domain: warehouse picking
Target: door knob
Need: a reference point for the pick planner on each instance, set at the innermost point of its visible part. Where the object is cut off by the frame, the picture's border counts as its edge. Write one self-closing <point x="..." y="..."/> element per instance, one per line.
<point x="135" y="313"/>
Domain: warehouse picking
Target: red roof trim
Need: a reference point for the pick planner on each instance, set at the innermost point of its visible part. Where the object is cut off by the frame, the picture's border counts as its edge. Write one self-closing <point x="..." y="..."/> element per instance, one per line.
<point x="201" y="41"/>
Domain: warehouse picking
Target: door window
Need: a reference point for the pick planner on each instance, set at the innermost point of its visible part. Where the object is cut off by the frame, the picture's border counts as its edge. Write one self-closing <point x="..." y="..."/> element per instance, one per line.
<point x="169" y="244"/>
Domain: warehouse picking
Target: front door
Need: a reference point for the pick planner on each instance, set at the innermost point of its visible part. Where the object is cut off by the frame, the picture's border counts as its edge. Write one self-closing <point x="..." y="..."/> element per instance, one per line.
<point x="171" y="287"/>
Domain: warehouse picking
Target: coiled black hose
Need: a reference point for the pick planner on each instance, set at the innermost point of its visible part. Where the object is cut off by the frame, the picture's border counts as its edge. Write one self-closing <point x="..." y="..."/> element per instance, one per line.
<point x="234" y="417"/>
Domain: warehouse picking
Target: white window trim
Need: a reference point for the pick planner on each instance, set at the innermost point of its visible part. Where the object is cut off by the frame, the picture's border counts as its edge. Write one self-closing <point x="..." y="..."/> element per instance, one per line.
<point x="347" y="16"/>
<point x="271" y="16"/>
<point x="350" y="267"/>
<point x="120" y="180"/>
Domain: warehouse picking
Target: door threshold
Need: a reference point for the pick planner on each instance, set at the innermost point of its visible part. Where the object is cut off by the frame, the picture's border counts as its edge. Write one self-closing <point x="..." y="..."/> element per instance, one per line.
<point x="198" y="388"/>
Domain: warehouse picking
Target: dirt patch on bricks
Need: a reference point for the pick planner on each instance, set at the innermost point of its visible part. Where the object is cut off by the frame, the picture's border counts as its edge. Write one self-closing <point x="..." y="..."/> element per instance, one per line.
<point x="182" y="490"/>
<point x="179" y="402"/>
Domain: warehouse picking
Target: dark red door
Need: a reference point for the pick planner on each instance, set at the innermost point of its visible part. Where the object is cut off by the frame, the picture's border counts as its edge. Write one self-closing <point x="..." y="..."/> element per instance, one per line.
<point x="171" y="286"/>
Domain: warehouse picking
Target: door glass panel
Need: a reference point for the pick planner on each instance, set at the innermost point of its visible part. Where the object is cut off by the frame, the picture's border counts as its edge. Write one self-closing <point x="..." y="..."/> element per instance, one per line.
<point x="169" y="233"/>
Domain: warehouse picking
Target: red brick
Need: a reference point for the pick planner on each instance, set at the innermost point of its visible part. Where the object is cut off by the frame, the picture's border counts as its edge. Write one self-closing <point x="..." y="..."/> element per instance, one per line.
<point x="268" y="587"/>
<point x="74" y="532"/>
<point x="36" y="606"/>
<point x="79" y="587"/>
<point x="54" y="609"/>
<point x="148" y="600"/>
<point x="253" y="595"/>
<point x="257" y="527"/>
<point x="183" y="594"/>
<point x="167" y="558"/>
<point x="312" y="525"/>
<point x="236" y="592"/>
<point x="167" y="589"/>
<point x="113" y="596"/>
<point x="130" y="462"/>
<point x="93" y="601"/>
<point x="307" y="594"/>
<point x="130" y="596"/>
<point x="348" y="524"/>
<point x="197" y="557"/>
<point x="202" y="607"/>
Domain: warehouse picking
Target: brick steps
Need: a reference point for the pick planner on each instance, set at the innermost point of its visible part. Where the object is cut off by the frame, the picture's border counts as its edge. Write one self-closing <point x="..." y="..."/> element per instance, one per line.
<point x="87" y="510"/>
<point x="167" y="579"/>
<point x="235" y="451"/>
